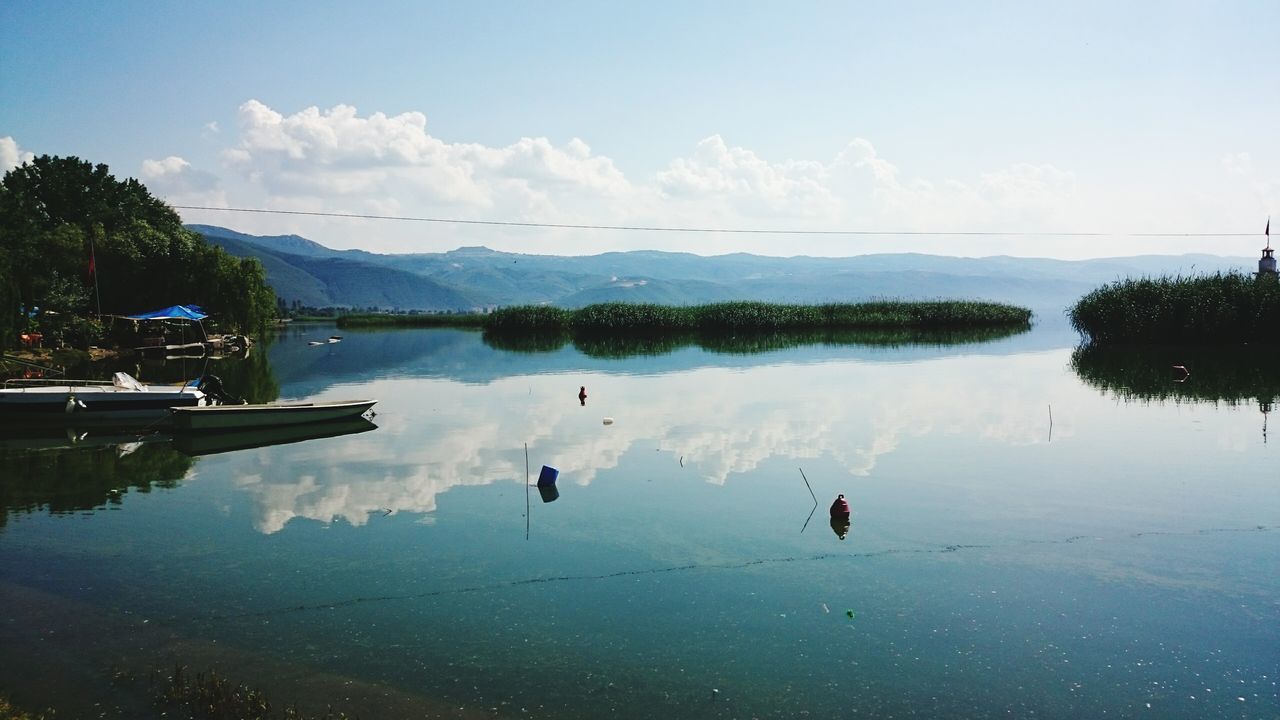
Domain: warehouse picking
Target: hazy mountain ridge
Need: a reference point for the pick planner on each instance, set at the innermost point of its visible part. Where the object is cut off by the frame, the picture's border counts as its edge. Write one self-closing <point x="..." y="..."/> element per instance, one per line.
<point x="475" y="277"/>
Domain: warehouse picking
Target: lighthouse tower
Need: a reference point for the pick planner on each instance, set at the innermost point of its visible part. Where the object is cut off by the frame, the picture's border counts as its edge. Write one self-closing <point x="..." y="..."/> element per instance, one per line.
<point x="1267" y="264"/>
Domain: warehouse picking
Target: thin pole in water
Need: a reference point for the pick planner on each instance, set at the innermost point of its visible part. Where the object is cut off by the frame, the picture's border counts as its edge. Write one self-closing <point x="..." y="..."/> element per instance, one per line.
<point x="806" y="484"/>
<point x="1050" y="422"/>
<point x="815" y="501"/>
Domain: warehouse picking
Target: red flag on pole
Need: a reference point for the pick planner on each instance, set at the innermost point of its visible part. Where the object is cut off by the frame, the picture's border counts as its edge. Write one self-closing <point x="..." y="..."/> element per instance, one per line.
<point x="89" y="275"/>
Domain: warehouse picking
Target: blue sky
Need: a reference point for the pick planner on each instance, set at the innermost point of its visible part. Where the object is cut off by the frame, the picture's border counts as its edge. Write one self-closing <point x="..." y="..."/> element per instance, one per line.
<point x="920" y="116"/>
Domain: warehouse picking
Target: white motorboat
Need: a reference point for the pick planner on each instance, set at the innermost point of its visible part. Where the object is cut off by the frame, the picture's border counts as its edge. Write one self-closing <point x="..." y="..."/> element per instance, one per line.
<point x="229" y="417"/>
<point x="120" y="399"/>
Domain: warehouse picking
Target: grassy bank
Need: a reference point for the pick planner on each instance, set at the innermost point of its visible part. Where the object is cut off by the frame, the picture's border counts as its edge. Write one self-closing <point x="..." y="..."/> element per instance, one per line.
<point x="624" y="318"/>
<point x="1230" y="308"/>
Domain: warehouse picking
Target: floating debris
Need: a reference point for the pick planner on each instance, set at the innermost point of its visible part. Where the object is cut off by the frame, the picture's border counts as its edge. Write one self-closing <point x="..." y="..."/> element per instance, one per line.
<point x="608" y="421"/>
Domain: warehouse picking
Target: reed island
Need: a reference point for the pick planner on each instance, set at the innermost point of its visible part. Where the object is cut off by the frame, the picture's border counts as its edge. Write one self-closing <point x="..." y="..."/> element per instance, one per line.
<point x="1221" y="309"/>
<point x="631" y="318"/>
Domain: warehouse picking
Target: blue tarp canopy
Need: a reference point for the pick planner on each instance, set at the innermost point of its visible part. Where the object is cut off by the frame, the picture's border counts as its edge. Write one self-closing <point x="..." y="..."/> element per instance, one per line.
<point x="176" y="312"/>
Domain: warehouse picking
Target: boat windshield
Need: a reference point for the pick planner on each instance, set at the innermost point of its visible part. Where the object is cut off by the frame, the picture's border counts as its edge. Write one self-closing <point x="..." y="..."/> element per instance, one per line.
<point x="126" y="382"/>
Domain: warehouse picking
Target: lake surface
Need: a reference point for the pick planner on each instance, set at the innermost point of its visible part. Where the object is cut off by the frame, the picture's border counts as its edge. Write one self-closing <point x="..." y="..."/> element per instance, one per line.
<point x="1024" y="542"/>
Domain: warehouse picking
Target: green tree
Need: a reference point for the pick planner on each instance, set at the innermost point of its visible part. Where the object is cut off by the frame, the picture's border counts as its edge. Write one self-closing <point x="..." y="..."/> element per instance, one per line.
<point x="55" y="212"/>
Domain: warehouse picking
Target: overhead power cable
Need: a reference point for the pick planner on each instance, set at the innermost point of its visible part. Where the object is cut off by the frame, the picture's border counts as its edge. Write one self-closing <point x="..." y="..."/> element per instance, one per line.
<point x="728" y="231"/>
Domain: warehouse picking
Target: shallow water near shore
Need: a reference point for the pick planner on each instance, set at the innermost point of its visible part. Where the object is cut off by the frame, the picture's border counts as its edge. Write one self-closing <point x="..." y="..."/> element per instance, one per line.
<point x="1022" y="540"/>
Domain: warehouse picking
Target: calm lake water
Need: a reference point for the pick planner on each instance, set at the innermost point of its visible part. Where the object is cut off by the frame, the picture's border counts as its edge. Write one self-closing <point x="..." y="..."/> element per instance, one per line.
<point x="1024" y="542"/>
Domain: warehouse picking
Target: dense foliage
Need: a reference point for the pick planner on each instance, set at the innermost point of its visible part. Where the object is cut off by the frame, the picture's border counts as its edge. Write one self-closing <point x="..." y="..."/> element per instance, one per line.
<point x="55" y="212"/>
<point x="1225" y="308"/>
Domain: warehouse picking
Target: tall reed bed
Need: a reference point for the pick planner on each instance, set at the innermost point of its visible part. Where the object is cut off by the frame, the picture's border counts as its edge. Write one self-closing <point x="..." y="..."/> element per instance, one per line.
<point x="1226" y="308"/>
<point x="629" y="318"/>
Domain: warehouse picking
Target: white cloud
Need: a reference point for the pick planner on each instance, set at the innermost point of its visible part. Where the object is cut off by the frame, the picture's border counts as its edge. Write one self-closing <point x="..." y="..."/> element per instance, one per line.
<point x="340" y="161"/>
<point x="11" y="156"/>
<point x="175" y="180"/>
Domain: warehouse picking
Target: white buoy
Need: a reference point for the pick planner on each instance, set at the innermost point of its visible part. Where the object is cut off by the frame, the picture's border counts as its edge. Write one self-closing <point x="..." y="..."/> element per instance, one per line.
<point x="608" y="421"/>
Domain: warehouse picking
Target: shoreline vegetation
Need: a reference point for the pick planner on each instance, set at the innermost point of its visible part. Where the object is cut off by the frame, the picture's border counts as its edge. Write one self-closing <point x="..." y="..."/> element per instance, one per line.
<point x="1220" y="309"/>
<point x="625" y="318"/>
<point x="79" y="247"/>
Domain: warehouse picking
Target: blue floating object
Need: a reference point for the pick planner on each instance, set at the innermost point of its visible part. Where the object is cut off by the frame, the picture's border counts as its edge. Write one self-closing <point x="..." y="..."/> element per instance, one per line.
<point x="548" y="476"/>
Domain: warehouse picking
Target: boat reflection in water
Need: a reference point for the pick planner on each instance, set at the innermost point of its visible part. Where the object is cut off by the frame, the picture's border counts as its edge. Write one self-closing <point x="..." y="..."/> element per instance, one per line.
<point x="66" y="470"/>
<point x="196" y="444"/>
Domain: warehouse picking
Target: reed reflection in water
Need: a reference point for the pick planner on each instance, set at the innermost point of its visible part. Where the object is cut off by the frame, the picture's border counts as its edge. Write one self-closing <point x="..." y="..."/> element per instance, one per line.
<point x="639" y="344"/>
<point x="1228" y="375"/>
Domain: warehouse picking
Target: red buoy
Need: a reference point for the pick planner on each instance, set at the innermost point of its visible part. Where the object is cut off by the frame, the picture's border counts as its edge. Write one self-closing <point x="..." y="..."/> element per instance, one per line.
<point x="840" y="508"/>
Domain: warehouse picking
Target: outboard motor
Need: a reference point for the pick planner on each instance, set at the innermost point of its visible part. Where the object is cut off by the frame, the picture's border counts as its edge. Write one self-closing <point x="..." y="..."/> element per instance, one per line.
<point x="211" y="386"/>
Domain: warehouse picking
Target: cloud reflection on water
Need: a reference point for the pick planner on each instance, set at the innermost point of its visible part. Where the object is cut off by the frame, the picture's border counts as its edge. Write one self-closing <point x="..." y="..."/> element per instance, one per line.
<point x="437" y="434"/>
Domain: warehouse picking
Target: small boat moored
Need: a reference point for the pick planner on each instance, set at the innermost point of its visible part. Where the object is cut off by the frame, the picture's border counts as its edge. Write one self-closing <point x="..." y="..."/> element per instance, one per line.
<point x="121" y="399"/>
<point x="228" y="417"/>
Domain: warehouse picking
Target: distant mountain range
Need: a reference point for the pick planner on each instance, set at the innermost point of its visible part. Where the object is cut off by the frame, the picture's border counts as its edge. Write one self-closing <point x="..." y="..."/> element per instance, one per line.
<point x="477" y="277"/>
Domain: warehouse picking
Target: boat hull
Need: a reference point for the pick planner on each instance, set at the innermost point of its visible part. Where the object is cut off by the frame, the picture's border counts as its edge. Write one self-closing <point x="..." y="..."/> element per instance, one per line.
<point x="237" y="417"/>
<point x="92" y="405"/>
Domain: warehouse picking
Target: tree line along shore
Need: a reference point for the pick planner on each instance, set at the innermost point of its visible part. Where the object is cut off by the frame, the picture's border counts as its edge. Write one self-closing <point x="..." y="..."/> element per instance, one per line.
<point x="77" y="245"/>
